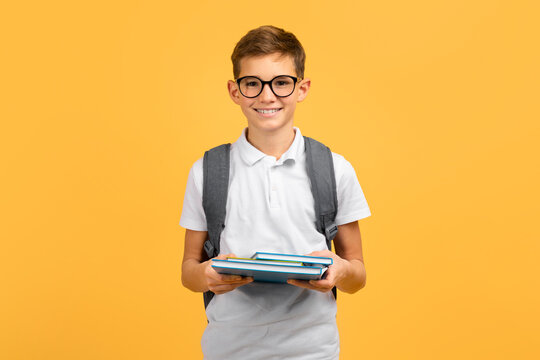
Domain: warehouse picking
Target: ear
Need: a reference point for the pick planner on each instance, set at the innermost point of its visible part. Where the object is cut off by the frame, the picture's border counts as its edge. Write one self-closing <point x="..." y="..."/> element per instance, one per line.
<point x="303" y="88"/>
<point x="234" y="92"/>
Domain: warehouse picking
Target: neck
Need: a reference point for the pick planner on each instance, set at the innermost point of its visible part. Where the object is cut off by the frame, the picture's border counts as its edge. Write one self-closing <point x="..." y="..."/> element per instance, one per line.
<point x="275" y="143"/>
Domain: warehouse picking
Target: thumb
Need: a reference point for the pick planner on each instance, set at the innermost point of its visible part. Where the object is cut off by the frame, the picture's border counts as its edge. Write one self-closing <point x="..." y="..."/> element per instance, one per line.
<point x="224" y="256"/>
<point x="318" y="253"/>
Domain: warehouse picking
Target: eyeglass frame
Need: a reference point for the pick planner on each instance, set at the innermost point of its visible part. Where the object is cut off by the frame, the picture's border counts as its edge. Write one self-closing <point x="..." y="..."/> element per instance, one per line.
<point x="269" y="82"/>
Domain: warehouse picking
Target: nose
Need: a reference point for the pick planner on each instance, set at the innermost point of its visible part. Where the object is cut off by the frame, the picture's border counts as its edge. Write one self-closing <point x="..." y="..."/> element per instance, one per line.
<point x="267" y="95"/>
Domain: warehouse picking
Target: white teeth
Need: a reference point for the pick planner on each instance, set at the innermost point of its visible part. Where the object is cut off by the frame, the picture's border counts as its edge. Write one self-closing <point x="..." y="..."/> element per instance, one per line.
<point x="267" y="111"/>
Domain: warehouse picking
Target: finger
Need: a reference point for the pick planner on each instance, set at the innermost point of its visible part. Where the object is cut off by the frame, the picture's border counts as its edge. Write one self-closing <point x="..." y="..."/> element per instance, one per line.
<point x="241" y="280"/>
<point x="328" y="276"/>
<point x="231" y="281"/>
<point x="322" y="284"/>
<point x="320" y="253"/>
<point x="216" y="277"/>
<point x="223" y="288"/>
<point x="319" y="285"/>
<point x="229" y="278"/>
<point x="224" y="256"/>
<point x="234" y="280"/>
<point x="301" y="283"/>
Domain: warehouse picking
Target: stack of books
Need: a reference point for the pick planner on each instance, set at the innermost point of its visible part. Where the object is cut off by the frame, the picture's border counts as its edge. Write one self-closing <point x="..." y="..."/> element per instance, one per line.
<point x="272" y="267"/>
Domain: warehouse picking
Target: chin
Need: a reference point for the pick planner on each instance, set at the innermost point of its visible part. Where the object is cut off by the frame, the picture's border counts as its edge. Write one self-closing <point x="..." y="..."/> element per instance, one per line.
<point x="269" y="125"/>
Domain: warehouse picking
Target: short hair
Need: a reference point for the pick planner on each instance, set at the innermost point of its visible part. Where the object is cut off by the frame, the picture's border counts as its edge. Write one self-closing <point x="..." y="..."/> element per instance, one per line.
<point x="266" y="40"/>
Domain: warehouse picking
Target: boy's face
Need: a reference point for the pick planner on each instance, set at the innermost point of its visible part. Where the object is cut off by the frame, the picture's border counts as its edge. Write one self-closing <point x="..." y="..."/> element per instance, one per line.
<point x="268" y="112"/>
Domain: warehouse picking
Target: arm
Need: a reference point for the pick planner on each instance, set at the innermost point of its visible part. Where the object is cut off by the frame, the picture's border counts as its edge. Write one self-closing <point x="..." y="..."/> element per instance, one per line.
<point x="347" y="272"/>
<point x="198" y="275"/>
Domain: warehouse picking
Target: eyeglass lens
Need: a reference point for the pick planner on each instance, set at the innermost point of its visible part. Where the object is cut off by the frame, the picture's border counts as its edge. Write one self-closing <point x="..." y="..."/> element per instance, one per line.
<point x="281" y="86"/>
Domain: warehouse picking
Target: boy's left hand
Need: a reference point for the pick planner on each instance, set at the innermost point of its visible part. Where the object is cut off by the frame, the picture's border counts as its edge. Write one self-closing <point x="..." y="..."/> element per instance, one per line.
<point x="334" y="274"/>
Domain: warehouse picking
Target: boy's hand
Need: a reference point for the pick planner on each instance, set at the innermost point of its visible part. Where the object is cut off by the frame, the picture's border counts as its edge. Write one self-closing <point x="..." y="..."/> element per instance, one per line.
<point x="221" y="283"/>
<point x="333" y="275"/>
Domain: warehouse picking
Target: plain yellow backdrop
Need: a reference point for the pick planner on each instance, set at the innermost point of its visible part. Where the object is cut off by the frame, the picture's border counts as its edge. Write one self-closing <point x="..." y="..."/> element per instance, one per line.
<point x="105" y="105"/>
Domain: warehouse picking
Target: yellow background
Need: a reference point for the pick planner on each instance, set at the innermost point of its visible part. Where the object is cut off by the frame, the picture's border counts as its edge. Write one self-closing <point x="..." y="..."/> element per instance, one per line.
<point x="106" y="105"/>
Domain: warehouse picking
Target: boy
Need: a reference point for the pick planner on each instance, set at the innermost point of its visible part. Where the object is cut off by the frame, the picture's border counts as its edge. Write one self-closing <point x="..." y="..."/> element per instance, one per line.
<point x="270" y="208"/>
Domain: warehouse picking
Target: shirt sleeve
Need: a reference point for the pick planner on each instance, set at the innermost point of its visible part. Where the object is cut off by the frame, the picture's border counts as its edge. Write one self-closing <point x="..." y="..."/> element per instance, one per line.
<point x="352" y="204"/>
<point x="193" y="216"/>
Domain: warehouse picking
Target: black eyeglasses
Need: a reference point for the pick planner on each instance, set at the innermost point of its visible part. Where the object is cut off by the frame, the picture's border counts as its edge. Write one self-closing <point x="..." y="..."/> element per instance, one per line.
<point x="252" y="86"/>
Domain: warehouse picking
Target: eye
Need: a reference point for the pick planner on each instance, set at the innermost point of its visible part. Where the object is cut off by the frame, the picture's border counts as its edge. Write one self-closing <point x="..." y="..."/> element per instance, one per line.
<point x="251" y="83"/>
<point x="282" y="82"/>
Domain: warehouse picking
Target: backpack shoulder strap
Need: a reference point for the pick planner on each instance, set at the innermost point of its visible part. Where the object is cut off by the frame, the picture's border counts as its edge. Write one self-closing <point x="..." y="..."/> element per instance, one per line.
<point x="215" y="187"/>
<point x="216" y="165"/>
<point x="320" y="169"/>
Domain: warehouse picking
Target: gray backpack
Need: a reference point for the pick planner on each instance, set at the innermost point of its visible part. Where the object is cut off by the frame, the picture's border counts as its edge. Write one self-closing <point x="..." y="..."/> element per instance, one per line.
<point x="320" y="169"/>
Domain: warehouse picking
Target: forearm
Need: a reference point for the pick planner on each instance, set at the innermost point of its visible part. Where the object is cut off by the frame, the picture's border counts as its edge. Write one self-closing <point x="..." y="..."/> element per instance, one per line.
<point x="355" y="277"/>
<point x="193" y="276"/>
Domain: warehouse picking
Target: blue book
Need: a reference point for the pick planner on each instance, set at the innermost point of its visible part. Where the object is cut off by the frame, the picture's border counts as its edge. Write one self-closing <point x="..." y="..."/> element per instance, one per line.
<point x="270" y="271"/>
<point x="304" y="259"/>
<point x="265" y="262"/>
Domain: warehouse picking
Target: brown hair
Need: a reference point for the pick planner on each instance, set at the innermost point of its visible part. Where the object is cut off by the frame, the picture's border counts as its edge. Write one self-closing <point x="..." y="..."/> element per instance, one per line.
<point x="266" y="40"/>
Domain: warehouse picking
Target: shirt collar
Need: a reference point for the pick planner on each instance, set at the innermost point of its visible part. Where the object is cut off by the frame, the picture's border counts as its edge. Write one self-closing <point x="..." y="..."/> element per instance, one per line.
<point x="250" y="154"/>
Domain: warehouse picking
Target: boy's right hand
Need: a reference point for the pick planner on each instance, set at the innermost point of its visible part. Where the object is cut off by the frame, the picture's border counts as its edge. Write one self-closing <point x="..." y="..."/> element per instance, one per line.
<point x="221" y="283"/>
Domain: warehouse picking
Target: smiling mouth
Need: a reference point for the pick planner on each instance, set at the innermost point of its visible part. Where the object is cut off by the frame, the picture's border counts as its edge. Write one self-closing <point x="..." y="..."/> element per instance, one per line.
<point x="267" y="111"/>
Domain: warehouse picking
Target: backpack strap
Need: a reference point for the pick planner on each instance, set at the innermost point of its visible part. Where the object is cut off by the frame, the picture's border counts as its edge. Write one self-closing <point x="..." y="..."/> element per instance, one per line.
<point x="215" y="187"/>
<point x="320" y="170"/>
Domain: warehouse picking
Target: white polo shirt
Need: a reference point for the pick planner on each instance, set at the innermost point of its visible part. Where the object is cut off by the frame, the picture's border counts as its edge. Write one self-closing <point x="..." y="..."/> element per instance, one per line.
<point x="270" y="208"/>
